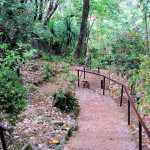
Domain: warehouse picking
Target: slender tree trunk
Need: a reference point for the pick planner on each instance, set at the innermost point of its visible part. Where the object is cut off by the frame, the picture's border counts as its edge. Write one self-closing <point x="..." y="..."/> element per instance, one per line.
<point x="81" y="41"/>
<point x="51" y="10"/>
<point x="41" y="10"/>
<point x="36" y="10"/>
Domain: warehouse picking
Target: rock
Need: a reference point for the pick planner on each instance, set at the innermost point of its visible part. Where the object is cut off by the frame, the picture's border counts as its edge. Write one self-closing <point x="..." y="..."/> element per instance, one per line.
<point x="57" y="123"/>
<point x="70" y="122"/>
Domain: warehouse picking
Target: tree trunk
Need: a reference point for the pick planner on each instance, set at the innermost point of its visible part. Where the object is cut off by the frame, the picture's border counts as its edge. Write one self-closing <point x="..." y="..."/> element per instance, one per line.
<point x="81" y="41"/>
<point x="36" y="10"/>
<point x="41" y="10"/>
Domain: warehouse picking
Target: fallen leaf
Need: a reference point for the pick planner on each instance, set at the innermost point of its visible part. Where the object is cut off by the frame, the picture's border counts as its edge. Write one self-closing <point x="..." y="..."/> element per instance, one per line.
<point x="79" y="117"/>
<point x="129" y="127"/>
<point x="55" y="141"/>
<point x="64" y="125"/>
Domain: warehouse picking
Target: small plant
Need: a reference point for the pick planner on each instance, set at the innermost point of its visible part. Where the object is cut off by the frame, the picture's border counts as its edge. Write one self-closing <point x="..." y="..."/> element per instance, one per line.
<point x="45" y="56"/>
<point x="81" y="61"/>
<point x="65" y="100"/>
<point x="49" y="71"/>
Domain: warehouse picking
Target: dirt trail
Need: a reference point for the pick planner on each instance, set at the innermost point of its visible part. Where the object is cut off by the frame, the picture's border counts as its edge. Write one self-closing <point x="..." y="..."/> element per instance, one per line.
<point x="101" y="126"/>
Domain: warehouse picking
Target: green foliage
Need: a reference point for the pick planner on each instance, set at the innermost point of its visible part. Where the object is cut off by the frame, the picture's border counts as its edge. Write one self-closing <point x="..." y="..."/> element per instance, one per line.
<point x="49" y="71"/>
<point x="126" y="51"/>
<point x="143" y="82"/>
<point x="12" y="93"/>
<point x="65" y="100"/>
<point x="15" y="23"/>
<point x="81" y="61"/>
<point x="70" y="34"/>
<point x="13" y="59"/>
<point x="67" y="77"/>
<point x="61" y="35"/>
<point x="69" y="59"/>
<point x="56" y="58"/>
<point x="94" y="52"/>
<point x="45" y="56"/>
<point x="66" y="69"/>
<point x="105" y="8"/>
<point x="100" y="61"/>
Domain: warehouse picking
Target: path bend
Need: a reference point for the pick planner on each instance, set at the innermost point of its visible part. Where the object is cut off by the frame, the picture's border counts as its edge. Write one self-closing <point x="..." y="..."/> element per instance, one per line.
<point x="102" y="126"/>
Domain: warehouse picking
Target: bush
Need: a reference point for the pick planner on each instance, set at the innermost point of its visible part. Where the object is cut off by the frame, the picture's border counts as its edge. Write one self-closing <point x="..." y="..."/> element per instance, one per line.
<point x="15" y="23"/>
<point x="81" y="61"/>
<point x="49" y="71"/>
<point x="12" y="93"/>
<point x="45" y="56"/>
<point x="143" y="83"/>
<point x="126" y="50"/>
<point x="65" y="100"/>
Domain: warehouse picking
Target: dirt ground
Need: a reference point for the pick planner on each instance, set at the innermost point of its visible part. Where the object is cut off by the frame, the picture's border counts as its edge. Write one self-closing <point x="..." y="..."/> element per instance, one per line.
<point x="101" y="125"/>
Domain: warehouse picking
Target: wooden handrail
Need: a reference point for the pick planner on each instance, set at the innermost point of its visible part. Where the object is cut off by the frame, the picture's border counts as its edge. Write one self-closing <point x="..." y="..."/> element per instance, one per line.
<point x="89" y="57"/>
<point x="129" y="97"/>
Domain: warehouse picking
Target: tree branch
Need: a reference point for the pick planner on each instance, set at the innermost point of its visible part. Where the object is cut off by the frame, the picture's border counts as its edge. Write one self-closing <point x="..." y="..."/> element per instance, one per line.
<point x="53" y="9"/>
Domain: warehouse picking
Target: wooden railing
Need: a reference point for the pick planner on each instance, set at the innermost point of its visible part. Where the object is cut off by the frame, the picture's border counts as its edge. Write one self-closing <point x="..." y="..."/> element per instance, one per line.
<point x="2" y="130"/>
<point x="130" y="101"/>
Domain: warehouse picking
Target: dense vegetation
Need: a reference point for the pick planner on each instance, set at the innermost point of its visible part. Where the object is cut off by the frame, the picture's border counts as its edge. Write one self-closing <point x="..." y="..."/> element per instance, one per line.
<point x="117" y="28"/>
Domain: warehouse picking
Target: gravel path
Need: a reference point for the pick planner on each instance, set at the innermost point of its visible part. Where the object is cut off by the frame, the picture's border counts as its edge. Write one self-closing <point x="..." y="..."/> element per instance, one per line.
<point x="101" y="126"/>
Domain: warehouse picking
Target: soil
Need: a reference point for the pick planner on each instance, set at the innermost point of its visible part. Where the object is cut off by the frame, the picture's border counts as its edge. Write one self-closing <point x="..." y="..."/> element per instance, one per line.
<point x="101" y="126"/>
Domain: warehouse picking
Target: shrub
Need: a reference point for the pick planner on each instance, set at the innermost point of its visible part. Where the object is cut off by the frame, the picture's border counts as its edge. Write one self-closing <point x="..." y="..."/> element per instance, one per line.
<point x="12" y="93"/>
<point x="126" y="50"/>
<point x="65" y="100"/>
<point x="143" y="82"/>
<point x="15" y="23"/>
<point x="49" y="71"/>
<point x="81" y="61"/>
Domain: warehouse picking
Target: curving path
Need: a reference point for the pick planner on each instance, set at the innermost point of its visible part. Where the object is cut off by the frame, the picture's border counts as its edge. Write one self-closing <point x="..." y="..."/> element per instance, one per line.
<point x="101" y="126"/>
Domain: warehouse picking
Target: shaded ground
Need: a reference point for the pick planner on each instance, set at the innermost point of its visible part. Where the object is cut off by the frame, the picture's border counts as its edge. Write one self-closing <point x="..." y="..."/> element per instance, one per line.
<point x="101" y="126"/>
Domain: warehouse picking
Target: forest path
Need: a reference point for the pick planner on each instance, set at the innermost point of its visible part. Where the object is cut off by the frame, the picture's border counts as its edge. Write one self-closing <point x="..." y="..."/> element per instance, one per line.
<point x="101" y="126"/>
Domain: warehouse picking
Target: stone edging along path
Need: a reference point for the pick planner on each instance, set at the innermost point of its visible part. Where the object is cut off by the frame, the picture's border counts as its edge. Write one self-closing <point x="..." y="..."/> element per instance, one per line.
<point x="101" y="125"/>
